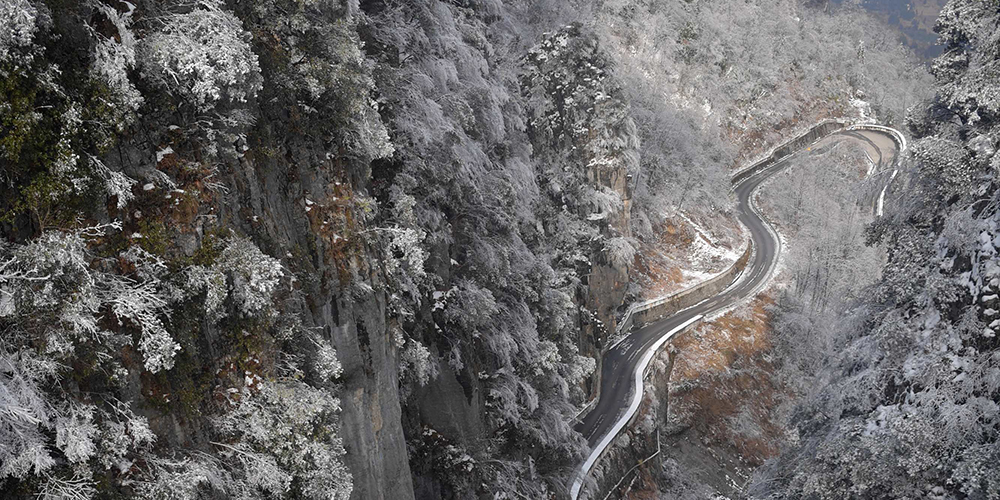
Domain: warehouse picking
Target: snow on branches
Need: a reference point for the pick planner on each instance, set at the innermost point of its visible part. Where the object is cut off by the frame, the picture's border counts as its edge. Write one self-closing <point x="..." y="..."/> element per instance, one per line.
<point x="59" y="298"/>
<point x="203" y="55"/>
<point x="253" y="276"/>
<point x="244" y="274"/>
<point x="114" y="56"/>
<point x="24" y="413"/>
<point x="17" y="27"/>
<point x="970" y="67"/>
<point x="284" y="439"/>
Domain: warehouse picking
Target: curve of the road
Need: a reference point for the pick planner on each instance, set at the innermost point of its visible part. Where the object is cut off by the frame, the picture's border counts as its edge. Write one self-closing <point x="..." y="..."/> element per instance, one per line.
<point x="624" y="364"/>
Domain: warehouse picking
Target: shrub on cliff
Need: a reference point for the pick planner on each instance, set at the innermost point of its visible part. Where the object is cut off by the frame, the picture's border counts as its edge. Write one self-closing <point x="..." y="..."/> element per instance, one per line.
<point x="202" y="54"/>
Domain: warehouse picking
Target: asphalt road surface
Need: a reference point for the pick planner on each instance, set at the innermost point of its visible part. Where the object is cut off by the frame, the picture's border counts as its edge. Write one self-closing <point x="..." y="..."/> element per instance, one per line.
<point x="618" y="368"/>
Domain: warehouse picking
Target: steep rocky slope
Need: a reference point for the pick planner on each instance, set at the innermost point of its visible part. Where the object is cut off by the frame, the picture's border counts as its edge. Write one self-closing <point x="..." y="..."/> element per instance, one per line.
<point x="354" y="249"/>
<point x="211" y="196"/>
<point x="513" y="166"/>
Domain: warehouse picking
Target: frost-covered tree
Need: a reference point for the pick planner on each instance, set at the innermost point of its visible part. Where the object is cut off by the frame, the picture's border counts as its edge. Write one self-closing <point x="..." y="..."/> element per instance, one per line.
<point x="416" y="362"/>
<point x="252" y="275"/>
<point x="115" y="56"/>
<point x="185" y="479"/>
<point x="59" y="300"/>
<point x="283" y="438"/>
<point x="315" y="58"/>
<point x="25" y="414"/>
<point x="492" y="302"/>
<point x="968" y="69"/>
<point x="750" y="67"/>
<point x="404" y="256"/>
<point x="17" y="28"/>
<point x="202" y="54"/>
<point x="119" y="293"/>
<point x="241" y="274"/>
<point x="91" y="439"/>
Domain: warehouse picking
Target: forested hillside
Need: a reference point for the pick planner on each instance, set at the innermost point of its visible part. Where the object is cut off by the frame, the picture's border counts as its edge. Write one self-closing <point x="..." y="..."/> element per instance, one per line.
<point x="376" y="249"/>
<point x="906" y="402"/>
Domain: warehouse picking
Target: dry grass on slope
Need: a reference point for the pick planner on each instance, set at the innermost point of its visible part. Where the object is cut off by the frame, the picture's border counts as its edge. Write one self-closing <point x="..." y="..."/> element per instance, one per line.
<point x="685" y="252"/>
<point x="723" y="384"/>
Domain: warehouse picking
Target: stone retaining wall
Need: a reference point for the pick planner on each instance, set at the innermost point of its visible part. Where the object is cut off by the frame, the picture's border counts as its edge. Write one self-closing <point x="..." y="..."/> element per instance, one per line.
<point x="818" y="131"/>
<point x="696" y="294"/>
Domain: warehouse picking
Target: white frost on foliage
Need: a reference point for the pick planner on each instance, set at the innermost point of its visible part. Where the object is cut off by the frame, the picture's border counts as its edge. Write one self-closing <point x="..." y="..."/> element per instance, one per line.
<point x="581" y="368"/>
<point x="116" y="184"/>
<point x="23" y="414"/>
<point x="183" y="479"/>
<point x="115" y="56"/>
<point x="243" y="273"/>
<point x="75" y="432"/>
<point x="147" y="265"/>
<point x="52" y="275"/>
<point x="548" y="359"/>
<point x="604" y="201"/>
<point x="253" y="275"/>
<point x="28" y="421"/>
<point x="143" y="304"/>
<point x="78" y="487"/>
<point x="288" y="431"/>
<point x="405" y="242"/>
<point x="967" y="30"/>
<point x="158" y="350"/>
<point x="17" y="25"/>
<point x="213" y="282"/>
<point x="326" y="364"/>
<point x="416" y="359"/>
<point x="122" y="434"/>
<point x="204" y="55"/>
<point x="620" y="252"/>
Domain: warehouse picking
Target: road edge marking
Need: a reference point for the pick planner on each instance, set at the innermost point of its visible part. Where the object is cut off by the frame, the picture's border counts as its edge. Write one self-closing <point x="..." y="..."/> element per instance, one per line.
<point x="637" y="393"/>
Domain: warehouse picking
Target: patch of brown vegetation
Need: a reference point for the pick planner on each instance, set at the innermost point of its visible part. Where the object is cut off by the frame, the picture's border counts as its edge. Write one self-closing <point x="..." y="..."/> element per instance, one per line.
<point x="655" y="263"/>
<point x="334" y="217"/>
<point x="660" y="263"/>
<point x="644" y="487"/>
<point x="712" y="348"/>
<point x="723" y="383"/>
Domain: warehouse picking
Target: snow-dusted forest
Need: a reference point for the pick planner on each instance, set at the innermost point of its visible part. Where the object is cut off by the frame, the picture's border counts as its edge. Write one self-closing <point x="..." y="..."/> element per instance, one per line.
<point x="904" y="403"/>
<point x="378" y="249"/>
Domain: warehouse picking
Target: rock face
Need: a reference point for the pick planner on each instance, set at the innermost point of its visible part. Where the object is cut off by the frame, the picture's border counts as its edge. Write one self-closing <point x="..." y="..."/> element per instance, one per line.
<point x="439" y="216"/>
<point x="356" y="325"/>
<point x="372" y="409"/>
<point x="302" y="194"/>
<point x="275" y="191"/>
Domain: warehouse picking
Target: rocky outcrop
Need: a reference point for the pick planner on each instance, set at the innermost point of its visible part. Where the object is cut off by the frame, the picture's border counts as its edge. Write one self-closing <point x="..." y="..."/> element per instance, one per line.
<point x="516" y="195"/>
<point x="343" y="292"/>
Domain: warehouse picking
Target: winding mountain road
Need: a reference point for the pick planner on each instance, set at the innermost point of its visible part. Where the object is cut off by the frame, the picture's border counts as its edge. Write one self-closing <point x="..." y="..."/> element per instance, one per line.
<point x="624" y="364"/>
